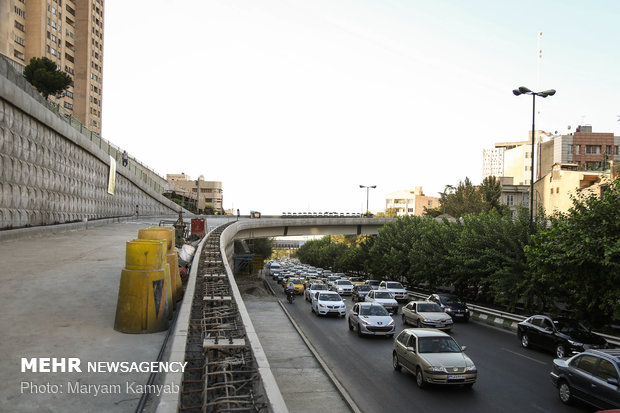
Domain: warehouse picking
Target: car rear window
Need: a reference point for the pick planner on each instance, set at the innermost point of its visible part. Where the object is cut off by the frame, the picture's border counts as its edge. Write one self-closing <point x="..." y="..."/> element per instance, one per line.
<point x="383" y="294"/>
<point x="329" y="297"/>
<point x="394" y="285"/>
<point x="429" y="308"/>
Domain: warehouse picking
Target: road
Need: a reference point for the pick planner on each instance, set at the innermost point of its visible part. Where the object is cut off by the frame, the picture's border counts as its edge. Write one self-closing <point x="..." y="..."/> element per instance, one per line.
<point x="510" y="378"/>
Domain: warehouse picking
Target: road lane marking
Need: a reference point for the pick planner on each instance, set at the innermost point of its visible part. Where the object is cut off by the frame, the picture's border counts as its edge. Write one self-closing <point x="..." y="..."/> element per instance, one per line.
<point x="529" y="358"/>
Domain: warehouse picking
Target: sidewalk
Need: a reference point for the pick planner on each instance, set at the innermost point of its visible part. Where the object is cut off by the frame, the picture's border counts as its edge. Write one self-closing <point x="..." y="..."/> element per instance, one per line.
<point x="304" y="385"/>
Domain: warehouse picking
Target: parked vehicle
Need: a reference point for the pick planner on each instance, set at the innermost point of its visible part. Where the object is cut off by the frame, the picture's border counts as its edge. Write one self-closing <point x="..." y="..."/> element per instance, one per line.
<point x="562" y="335"/>
<point x="426" y="314"/>
<point x="370" y="319"/>
<point x="433" y="357"/>
<point x="343" y="287"/>
<point x="328" y="302"/>
<point x="360" y="291"/>
<point x="396" y="288"/>
<point x="452" y="305"/>
<point x="591" y="376"/>
<point x="385" y="298"/>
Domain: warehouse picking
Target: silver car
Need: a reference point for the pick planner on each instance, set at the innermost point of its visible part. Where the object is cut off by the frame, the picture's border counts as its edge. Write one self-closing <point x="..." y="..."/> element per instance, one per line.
<point x="427" y="314"/>
<point x="433" y="357"/>
<point x="370" y="319"/>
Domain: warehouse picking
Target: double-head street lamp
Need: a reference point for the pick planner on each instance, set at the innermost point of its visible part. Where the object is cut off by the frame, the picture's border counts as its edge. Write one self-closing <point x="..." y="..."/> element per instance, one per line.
<point x="367" y="191"/>
<point x="522" y="90"/>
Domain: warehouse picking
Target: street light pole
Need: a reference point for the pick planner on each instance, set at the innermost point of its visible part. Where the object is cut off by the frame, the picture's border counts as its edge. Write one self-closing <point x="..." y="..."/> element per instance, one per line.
<point x="522" y="90"/>
<point x="367" y="194"/>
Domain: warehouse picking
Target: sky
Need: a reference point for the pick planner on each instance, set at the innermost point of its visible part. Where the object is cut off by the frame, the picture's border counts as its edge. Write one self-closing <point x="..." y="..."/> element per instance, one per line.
<point x="295" y="104"/>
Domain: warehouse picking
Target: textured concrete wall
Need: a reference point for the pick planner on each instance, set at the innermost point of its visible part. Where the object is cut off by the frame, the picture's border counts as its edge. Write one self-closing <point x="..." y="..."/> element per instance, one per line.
<point x="50" y="173"/>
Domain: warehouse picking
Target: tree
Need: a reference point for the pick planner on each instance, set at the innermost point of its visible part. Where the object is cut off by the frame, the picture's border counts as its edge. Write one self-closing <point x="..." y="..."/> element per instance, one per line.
<point x="578" y="257"/>
<point x="45" y="76"/>
<point x="389" y="213"/>
<point x="466" y="199"/>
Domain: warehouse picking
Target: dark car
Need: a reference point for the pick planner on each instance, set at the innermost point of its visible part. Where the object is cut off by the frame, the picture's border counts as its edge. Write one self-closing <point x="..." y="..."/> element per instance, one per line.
<point x="373" y="283"/>
<point x="591" y="376"/>
<point x="562" y="335"/>
<point x="451" y="304"/>
<point x="360" y="291"/>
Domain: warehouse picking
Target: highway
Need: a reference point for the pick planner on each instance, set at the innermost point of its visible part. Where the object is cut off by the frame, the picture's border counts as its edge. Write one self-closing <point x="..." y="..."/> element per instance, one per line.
<point x="510" y="378"/>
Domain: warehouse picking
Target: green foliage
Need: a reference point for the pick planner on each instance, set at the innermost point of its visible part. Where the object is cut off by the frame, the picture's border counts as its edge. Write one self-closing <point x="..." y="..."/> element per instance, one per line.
<point x="466" y="199"/>
<point x="578" y="257"/>
<point x="261" y="246"/>
<point x="44" y="75"/>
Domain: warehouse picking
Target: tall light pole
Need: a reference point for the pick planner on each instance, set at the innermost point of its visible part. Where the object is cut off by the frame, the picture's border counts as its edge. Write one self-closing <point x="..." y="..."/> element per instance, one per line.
<point x="367" y="193"/>
<point x="522" y="90"/>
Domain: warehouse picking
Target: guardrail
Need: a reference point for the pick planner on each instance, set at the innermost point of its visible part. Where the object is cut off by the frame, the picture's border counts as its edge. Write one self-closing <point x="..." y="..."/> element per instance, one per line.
<point x="503" y="319"/>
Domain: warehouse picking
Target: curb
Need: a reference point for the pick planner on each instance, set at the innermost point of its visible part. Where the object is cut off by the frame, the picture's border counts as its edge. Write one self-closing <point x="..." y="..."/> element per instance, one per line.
<point x="343" y="392"/>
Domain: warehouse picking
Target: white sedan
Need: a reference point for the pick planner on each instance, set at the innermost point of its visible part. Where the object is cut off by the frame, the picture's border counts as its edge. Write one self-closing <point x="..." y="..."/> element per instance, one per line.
<point x="328" y="302"/>
<point x="383" y="297"/>
<point x="313" y="289"/>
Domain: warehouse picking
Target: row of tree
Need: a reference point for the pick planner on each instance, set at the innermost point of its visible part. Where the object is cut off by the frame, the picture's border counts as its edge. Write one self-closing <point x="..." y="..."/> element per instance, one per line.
<point x="571" y="258"/>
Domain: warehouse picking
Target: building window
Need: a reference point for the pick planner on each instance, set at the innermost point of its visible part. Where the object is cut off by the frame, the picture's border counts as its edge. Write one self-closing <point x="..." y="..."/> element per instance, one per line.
<point x="616" y="150"/>
<point x="68" y="105"/>
<point x="19" y="40"/>
<point x="557" y="190"/>
<point x="608" y="149"/>
<point x="19" y="12"/>
<point x="69" y="94"/>
<point x="570" y="149"/>
<point x="593" y="149"/>
<point x="19" y="26"/>
<point x="551" y="191"/>
<point x="577" y="149"/>
<point x="510" y="200"/>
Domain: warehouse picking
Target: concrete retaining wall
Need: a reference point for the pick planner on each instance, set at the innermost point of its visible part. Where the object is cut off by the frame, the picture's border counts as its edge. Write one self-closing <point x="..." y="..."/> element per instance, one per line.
<point x="52" y="174"/>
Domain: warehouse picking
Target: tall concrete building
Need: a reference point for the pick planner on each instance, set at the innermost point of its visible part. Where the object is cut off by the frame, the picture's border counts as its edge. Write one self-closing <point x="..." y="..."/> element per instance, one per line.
<point x="70" y="33"/>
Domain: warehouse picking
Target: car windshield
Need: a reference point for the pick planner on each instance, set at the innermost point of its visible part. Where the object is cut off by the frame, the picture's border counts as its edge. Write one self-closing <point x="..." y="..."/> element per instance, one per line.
<point x="438" y="345"/>
<point x="377" y="310"/>
<point x="329" y="297"/>
<point x="568" y="326"/>
<point x="364" y="288"/>
<point x="383" y="294"/>
<point x="344" y="282"/>
<point x="332" y="278"/>
<point x="318" y="287"/>
<point x="296" y="281"/>
<point x="394" y="285"/>
<point x="451" y="300"/>
<point x="429" y="308"/>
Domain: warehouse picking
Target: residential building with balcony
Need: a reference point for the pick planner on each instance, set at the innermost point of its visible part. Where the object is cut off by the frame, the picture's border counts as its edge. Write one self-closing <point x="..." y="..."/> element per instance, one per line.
<point x="70" y="33"/>
<point x="201" y="191"/>
<point x="410" y="202"/>
<point x="514" y="195"/>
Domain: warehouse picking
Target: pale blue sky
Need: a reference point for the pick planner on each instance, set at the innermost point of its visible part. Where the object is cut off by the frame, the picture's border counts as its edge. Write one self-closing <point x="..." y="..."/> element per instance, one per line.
<point x="294" y="104"/>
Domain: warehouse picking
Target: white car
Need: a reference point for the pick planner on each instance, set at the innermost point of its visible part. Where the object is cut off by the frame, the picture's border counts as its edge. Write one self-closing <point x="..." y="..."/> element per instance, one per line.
<point x="371" y="319"/>
<point x="328" y="302"/>
<point x="313" y="289"/>
<point x="385" y="298"/>
<point x="343" y="287"/>
<point x="396" y="288"/>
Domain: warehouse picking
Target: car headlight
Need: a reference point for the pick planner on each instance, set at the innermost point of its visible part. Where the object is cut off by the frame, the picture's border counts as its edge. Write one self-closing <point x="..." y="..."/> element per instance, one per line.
<point x="448" y="321"/>
<point x="322" y="306"/>
<point x="436" y="369"/>
<point x="471" y="368"/>
<point x="364" y="321"/>
<point x="391" y="322"/>
<point x="575" y="343"/>
<point x="467" y="310"/>
<point x="448" y="310"/>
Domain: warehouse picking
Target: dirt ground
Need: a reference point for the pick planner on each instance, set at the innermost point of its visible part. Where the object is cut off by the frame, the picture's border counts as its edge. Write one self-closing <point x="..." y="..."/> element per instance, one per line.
<point x="251" y="286"/>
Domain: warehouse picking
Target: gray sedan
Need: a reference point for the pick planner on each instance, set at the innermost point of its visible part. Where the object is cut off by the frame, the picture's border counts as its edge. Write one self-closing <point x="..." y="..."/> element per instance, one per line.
<point x="370" y="319"/>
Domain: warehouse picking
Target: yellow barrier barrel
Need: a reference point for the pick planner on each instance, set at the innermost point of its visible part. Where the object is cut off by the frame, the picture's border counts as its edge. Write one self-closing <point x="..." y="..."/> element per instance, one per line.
<point x="165" y="239"/>
<point x="166" y="233"/>
<point x="141" y="306"/>
<point x="141" y="254"/>
<point x="173" y="260"/>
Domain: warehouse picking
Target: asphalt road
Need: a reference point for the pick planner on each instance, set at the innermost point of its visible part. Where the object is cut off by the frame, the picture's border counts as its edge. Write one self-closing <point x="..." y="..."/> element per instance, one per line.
<point x="510" y="378"/>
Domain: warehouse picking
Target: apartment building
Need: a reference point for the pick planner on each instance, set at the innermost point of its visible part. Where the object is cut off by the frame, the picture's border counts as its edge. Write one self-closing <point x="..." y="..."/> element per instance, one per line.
<point x="70" y="33"/>
<point x="410" y="202"/>
<point x="585" y="149"/>
<point x="206" y="192"/>
<point x="555" y="189"/>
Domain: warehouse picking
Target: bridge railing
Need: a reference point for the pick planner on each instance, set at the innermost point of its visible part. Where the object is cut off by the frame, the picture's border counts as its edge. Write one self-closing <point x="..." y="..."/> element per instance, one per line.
<point x="514" y="318"/>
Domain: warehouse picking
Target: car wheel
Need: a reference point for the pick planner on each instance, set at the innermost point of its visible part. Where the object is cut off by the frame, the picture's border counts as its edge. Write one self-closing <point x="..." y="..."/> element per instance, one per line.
<point x="395" y="362"/>
<point x="359" y="330"/>
<point x="525" y="341"/>
<point x="419" y="378"/>
<point x="560" y="351"/>
<point x="564" y="391"/>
